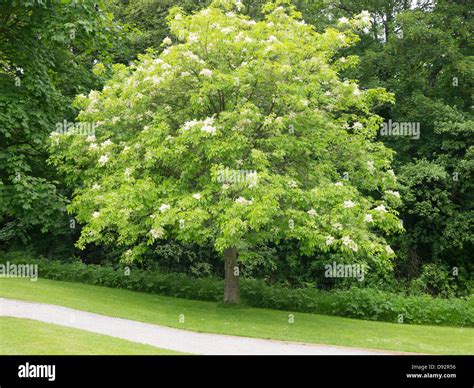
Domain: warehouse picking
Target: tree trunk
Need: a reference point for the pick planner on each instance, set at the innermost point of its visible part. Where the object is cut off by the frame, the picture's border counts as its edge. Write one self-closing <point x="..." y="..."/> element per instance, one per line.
<point x="231" y="282"/>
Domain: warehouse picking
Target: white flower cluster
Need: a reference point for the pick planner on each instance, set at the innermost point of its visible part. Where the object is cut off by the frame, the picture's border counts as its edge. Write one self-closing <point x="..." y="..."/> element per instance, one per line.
<point x="394" y="193"/>
<point x="370" y="166"/>
<point x="364" y="16"/>
<point x="207" y="125"/>
<point x="192" y="38"/>
<point x="292" y="184"/>
<point x="348" y="242"/>
<point x="348" y="204"/>
<point x="343" y="20"/>
<point x="239" y="5"/>
<point x="243" y="201"/>
<point x="106" y="143"/>
<point x="164" y="207"/>
<point x="206" y="73"/>
<point x="157" y="233"/>
<point x="103" y="160"/>
<point x="330" y="240"/>
<point x="190" y="55"/>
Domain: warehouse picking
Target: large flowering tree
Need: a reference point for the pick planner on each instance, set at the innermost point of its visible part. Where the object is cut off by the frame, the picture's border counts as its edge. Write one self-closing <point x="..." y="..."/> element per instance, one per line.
<point x="228" y="96"/>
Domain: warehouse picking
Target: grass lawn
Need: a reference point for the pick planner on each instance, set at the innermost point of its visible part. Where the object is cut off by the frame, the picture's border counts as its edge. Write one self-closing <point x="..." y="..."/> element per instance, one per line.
<point x="27" y="337"/>
<point x="251" y="322"/>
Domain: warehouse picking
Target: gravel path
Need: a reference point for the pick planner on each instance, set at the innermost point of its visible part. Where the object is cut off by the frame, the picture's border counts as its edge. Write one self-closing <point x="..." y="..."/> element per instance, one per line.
<point x="165" y="337"/>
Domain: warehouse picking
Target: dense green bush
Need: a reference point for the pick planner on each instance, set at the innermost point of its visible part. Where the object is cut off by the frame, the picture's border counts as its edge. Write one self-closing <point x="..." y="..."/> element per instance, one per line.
<point x="367" y="304"/>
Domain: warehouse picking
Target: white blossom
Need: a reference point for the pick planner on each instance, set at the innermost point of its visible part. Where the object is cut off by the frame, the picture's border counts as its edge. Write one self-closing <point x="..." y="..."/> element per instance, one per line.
<point x="368" y="218"/>
<point x="209" y="129"/>
<point x="192" y="38"/>
<point x="95" y="214"/>
<point x="292" y="184"/>
<point x="389" y="250"/>
<point x="93" y="146"/>
<point x="349" y="204"/>
<point x="190" y="124"/>
<point x="338" y="184"/>
<point x="156" y="80"/>
<point x="95" y="186"/>
<point x="164" y="207"/>
<point x="206" y="72"/>
<point x="106" y="143"/>
<point x="90" y="139"/>
<point x="370" y="166"/>
<point x="197" y="196"/>
<point x="329" y="240"/>
<point x="103" y="159"/>
<point x="272" y="38"/>
<point x="394" y="193"/>
<point x="243" y="201"/>
<point x="348" y="242"/>
<point x="312" y="212"/>
<point x="357" y="125"/>
<point x="167" y="41"/>
<point x="157" y="233"/>
<point x="365" y="17"/>
<point x="343" y="20"/>
<point x="381" y="208"/>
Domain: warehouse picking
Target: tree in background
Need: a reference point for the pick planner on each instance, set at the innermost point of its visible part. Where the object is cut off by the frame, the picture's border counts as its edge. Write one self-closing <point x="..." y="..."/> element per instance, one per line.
<point x="426" y="61"/>
<point x="47" y="51"/>
<point x="240" y="133"/>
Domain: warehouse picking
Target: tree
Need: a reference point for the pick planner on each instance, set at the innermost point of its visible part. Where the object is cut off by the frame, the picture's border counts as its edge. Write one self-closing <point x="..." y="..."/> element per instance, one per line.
<point x="240" y="133"/>
<point x="427" y="64"/>
<point x="46" y="54"/>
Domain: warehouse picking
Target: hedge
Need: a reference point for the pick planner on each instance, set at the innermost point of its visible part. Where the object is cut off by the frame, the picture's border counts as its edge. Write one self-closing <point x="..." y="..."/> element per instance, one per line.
<point x="369" y="304"/>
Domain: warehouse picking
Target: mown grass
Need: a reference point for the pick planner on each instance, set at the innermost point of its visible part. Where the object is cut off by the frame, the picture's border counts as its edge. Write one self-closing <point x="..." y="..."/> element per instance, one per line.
<point x="250" y="322"/>
<point x="28" y="337"/>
